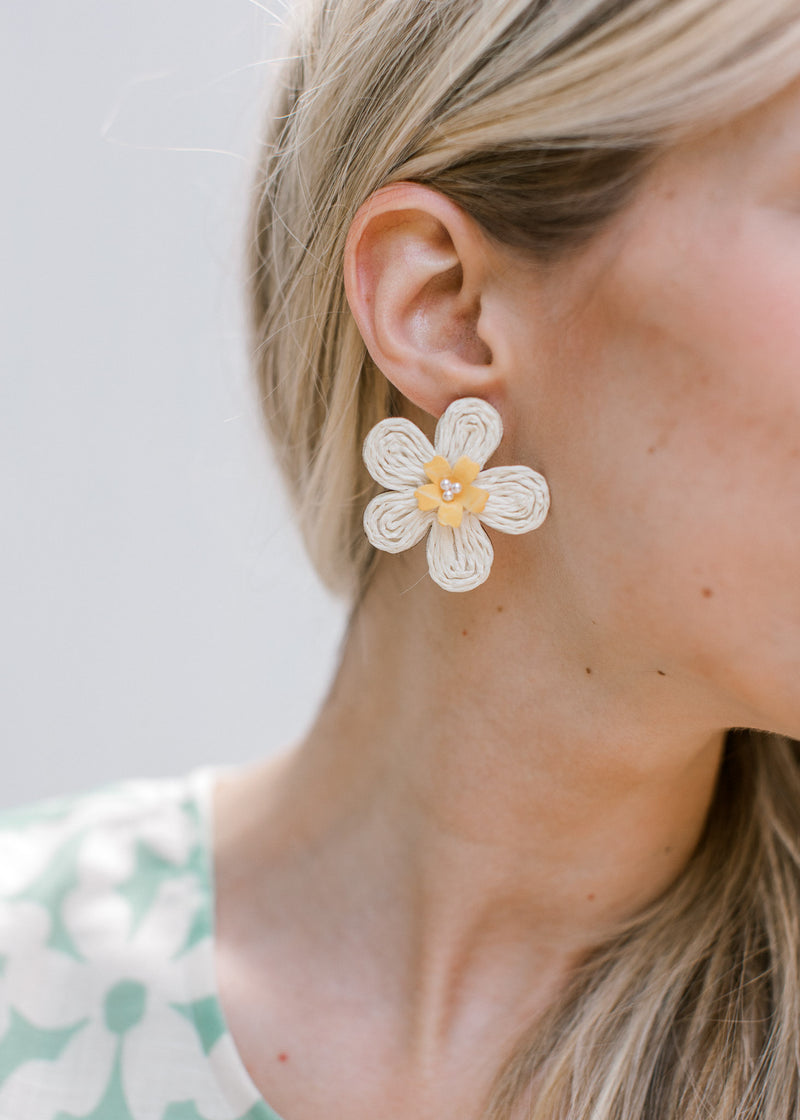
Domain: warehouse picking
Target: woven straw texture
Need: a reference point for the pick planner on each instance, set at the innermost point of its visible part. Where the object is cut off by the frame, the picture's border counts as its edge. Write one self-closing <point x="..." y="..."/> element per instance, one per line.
<point x="396" y="453"/>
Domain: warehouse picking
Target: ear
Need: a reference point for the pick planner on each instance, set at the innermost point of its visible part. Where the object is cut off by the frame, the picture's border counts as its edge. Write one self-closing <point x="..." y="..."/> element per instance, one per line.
<point x="419" y="276"/>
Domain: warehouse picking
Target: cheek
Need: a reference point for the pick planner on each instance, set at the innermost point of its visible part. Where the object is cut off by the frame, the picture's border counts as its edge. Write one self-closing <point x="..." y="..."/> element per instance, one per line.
<point x="682" y="405"/>
<point x="705" y="369"/>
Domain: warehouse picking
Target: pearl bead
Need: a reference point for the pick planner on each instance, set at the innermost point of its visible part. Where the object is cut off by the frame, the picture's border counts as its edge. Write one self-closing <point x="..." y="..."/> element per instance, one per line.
<point x="449" y="489"/>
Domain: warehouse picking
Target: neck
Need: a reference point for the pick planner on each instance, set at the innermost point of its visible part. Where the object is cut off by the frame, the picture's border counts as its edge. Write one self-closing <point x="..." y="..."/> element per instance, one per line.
<point x="485" y="815"/>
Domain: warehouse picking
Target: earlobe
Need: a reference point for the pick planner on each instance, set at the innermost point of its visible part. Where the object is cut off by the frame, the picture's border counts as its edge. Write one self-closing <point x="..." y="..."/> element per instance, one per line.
<point x="416" y="273"/>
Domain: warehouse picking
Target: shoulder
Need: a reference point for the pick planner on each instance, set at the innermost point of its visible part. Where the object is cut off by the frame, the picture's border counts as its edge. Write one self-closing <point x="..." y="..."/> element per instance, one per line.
<point x="98" y="859"/>
<point x="106" y="923"/>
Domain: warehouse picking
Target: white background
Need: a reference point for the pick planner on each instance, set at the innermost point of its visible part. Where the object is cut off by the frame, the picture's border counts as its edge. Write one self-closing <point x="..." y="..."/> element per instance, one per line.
<point x="156" y="609"/>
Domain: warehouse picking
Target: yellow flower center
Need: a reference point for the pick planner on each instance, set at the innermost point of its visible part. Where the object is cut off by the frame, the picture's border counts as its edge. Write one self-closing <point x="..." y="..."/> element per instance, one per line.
<point x="450" y="490"/>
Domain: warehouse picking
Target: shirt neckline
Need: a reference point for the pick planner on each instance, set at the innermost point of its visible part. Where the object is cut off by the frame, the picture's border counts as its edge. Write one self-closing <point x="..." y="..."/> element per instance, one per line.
<point x="229" y="1065"/>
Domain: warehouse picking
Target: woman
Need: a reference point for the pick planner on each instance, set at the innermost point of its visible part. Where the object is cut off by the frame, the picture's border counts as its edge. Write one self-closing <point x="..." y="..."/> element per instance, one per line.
<point x="538" y="854"/>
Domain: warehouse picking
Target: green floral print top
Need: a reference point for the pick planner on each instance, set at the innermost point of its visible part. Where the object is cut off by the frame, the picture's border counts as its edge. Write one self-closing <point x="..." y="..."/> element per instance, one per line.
<point x="108" y="1001"/>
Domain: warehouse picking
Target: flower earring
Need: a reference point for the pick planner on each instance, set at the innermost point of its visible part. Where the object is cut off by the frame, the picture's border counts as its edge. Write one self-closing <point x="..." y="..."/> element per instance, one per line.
<point x="442" y="487"/>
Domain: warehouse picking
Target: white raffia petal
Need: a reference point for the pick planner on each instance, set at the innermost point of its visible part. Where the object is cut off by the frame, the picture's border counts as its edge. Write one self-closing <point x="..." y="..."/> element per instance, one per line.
<point x="459" y="559"/>
<point x="395" y="453"/>
<point x="394" y="522"/>
<point x="469" y="426"/>
<point x="518" y="500"/>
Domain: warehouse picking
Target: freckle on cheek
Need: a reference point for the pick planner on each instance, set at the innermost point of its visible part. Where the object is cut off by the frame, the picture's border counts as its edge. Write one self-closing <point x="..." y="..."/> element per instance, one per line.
<point x="464" y="633"/>
<point x="590" y="897"/>
<point x="706" y="592"/>
<point x="588" y="670"/>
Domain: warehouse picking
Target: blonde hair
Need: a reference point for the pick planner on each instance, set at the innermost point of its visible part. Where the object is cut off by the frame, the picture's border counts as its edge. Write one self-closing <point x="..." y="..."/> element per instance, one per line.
<point x="539" y="118"/>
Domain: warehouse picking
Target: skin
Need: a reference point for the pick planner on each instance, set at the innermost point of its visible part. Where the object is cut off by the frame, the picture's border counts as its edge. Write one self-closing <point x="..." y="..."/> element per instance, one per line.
<point x="498" y="777"/>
